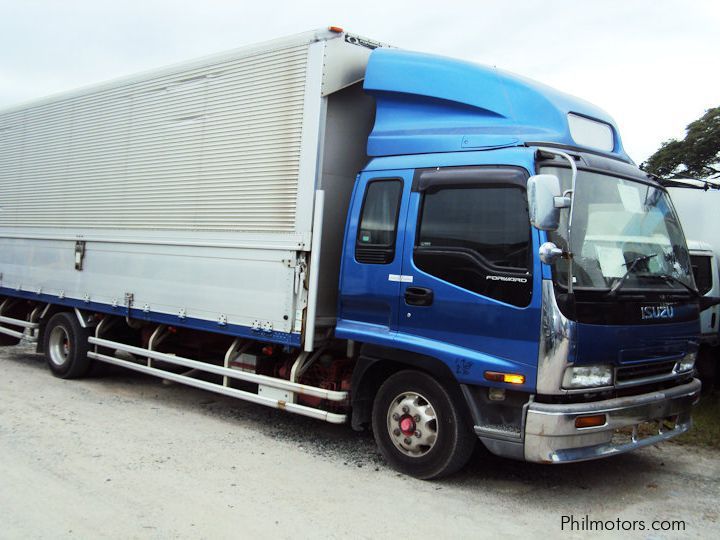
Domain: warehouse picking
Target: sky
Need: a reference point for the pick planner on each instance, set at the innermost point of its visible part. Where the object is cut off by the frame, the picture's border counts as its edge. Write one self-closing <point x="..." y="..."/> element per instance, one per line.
<point x="651" y="64"/>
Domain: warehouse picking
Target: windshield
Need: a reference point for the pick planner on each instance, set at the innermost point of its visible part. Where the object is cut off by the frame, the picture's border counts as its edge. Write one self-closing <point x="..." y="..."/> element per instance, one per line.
<point x="620" y="225"/>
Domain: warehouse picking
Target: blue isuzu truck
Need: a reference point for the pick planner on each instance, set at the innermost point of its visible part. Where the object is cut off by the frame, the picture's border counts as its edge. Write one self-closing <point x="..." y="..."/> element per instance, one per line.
<point x="438" y="251"/>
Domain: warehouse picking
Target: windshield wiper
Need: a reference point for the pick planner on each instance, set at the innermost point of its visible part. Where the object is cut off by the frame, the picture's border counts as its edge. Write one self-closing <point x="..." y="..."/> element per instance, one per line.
<point x="672" y="279"/>
<point x="630" y="267"/>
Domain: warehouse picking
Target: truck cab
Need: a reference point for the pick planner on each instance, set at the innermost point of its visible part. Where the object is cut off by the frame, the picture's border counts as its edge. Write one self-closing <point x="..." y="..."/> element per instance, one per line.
<point x="501" y="241"/>
<point x="705" y="272"/>
<point x="696" y="202"/>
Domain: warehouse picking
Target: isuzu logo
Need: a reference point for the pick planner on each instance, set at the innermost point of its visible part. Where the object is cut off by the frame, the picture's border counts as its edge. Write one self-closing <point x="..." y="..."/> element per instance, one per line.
<point x="656" y="312"/>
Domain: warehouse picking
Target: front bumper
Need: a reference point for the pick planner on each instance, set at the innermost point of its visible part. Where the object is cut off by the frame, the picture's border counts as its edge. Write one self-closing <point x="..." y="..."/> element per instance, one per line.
<point x="551" y="435"/>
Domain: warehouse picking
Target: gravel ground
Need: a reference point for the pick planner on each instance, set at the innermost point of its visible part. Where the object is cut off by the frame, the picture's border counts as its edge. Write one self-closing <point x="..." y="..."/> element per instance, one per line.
<point x="125" y="456"/>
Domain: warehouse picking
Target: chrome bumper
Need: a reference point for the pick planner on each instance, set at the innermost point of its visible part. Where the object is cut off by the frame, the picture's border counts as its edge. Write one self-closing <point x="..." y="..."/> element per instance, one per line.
<point x="551" y="435"/>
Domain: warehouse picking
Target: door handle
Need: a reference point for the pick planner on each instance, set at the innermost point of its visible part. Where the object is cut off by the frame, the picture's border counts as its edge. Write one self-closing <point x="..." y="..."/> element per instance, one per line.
<point x="418" y="296"/>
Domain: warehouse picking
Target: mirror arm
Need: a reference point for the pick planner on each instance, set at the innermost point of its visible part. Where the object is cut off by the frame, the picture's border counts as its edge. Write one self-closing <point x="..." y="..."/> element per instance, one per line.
<point x="562" y="202"/>
<point x="549" y="253"/>
<point x="573" y="168"/>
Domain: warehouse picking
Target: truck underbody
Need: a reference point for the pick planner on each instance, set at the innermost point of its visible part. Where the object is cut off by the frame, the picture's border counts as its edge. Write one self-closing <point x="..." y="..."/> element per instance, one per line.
<point x="319" y="384"/>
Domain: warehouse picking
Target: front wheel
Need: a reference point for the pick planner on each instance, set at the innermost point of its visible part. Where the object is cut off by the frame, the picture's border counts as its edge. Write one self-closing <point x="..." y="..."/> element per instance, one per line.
<point x="66" y="346"/>
<point x="419" y="428"/>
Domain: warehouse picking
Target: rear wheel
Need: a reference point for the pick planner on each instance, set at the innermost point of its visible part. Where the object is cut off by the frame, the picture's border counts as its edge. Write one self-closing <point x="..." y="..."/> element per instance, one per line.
<point x="66" y="346"/>
<point x="419" y="427"/>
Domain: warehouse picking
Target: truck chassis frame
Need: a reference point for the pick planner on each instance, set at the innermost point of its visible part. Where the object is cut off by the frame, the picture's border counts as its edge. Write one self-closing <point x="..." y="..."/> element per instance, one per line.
<point x="271" y="391"/>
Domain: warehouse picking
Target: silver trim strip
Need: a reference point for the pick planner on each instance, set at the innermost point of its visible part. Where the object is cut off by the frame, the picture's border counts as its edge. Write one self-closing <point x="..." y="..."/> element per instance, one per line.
<point x="152" y="242"/>
<point x="557" y="343"/>
<point x="18" y="322"/>
<point x="12" y="333"/>
<point x="309" y="343"/>
<point x="281" y="384"/>
<point x="32" y="326"/>
<point x="487" y="431"/>
<point x="232" y="392"/>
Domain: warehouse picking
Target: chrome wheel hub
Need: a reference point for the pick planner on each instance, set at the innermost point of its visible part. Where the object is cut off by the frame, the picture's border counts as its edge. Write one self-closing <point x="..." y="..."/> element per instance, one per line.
<point x="59" y="346"/>
<point x="412" y="424"/>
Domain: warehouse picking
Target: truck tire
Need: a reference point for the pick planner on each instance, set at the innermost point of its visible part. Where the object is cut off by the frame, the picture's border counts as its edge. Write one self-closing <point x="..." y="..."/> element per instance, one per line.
<point x="66" y="346"/>
<point x="419" y="427"/>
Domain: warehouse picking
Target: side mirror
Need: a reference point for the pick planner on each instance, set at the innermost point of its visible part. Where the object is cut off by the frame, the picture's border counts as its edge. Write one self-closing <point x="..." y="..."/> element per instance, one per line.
<point x="545" y="201"/>
<point x="706" y="302"/>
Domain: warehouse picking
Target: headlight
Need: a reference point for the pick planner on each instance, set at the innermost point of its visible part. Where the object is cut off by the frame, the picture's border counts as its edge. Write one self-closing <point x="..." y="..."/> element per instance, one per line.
<point x="587" y="377"/>
<point x="687" y="363"/>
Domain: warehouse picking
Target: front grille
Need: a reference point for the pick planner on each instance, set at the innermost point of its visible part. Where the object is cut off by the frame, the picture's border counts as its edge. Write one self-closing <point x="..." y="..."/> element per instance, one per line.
<point x="627" y="374"/>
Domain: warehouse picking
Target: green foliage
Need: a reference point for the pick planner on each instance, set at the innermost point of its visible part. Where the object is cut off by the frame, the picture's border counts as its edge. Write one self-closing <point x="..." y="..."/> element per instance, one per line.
<point x="696" y="156"/>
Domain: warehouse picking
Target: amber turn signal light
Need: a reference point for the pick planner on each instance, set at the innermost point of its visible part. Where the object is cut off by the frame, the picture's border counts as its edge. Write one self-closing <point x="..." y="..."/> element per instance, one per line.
<point x="512" y="378"/>
<point x="590" y="421"/>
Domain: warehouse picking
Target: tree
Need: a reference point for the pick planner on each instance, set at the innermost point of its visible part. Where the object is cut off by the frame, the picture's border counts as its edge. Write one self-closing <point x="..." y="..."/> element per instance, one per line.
<point x="696" y="156"/>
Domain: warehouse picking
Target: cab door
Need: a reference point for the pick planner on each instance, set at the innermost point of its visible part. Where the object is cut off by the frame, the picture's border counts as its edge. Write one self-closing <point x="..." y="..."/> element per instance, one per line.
<point x="372" y="257"/>
<point x="469" y="297"/>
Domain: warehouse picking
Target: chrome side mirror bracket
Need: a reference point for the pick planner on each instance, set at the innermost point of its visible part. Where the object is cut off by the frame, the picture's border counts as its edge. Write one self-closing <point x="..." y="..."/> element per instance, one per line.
<point x="549" y="253"/>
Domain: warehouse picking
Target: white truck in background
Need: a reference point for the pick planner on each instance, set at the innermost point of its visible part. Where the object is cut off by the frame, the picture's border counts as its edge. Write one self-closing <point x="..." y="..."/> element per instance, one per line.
<point x="698" y="205"/>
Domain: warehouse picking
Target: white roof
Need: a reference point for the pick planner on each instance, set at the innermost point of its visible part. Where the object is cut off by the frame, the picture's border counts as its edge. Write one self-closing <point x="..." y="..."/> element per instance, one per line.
<point x="696" y="245"/>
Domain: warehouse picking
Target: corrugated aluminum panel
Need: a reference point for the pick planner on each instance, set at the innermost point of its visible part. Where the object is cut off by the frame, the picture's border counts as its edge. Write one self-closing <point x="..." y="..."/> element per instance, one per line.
<point x="215" y="147"/>
<point x="192" y="187"/>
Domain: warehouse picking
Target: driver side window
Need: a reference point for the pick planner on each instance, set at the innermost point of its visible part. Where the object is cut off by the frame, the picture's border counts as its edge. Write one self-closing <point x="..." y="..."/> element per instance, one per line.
<point x="478" y="238"/>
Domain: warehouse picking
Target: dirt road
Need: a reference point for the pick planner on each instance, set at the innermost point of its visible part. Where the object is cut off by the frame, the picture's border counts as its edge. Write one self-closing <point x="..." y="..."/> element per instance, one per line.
<point x="124" y="456"/>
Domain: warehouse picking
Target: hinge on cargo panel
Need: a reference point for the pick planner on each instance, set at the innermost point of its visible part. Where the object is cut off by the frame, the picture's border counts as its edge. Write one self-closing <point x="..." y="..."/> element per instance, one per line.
<point x="79" y="254"/>
<point x="300" y="272"/>
<point x="129" y="300"/>
<point x="261" y="326"/>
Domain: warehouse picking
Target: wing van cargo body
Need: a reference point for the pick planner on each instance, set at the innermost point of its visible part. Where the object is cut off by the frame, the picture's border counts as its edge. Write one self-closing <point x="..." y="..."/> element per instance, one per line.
<point x="428" y="248"/>
<point x="191" y="191"/>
